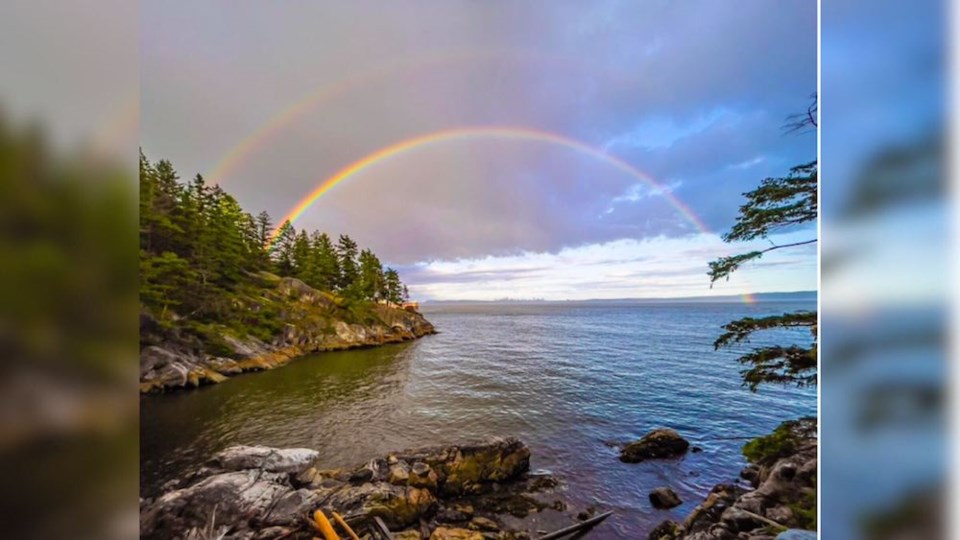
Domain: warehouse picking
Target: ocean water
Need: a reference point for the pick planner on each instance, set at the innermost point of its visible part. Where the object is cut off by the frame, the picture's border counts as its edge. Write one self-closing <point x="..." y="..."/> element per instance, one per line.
<point x="569" y="379"/>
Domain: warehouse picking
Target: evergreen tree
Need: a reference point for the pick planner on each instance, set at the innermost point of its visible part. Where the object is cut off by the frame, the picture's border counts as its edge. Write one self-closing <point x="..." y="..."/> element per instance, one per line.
<point x="327" y="263"/>
<point x="199" y="250"/>
<point x="283" y="244"/>
<point x="347" y="258"/>
<point x="264" y="226"/>
<point x="302" y="258"/>
<point x="393" y="290"/>
<point x="371" y="276"/>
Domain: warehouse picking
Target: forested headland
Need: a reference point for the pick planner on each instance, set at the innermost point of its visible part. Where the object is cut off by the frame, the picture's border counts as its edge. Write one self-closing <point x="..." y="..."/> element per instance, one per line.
<point x="213" y="277"/>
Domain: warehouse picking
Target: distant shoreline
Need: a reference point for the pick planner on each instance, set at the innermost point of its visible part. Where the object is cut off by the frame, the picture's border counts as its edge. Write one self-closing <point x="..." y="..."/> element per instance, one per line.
<point x="724" y="299"/>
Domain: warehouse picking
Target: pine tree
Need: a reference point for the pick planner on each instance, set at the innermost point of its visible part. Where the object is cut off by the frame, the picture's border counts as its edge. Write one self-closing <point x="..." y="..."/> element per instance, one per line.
<point x="283" y="244"/>
<point x="302" y="258"/>
<point x="349" y="272"/>
<point x="392" y="286"/>
<point x="371" y="276"/>
<point x="327" y="263"/>
<point x="264" y="226"/>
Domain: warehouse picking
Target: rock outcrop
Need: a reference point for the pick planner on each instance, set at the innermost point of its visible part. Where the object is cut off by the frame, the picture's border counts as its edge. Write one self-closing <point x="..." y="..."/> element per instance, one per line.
<point x="315" y="322"/>
<point x="664" y="498"/>
<point x="658" y="444"/>
<point x="259" y="492"/>
<point x="783" y="478"/>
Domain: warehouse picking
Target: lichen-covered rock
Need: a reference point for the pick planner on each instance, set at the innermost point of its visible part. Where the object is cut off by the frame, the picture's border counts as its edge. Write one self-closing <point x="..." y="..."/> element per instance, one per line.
<point x="398" y="506"/>
<point x="259" y="491"/>
<point x="422" y="476"/>
<point x="446" y="533"/>
<point x="265" y="458"/>
<point x="658" y="444"/>
<point x="399" y="473"/>
<point x="667" y="530"/>
<point x="664" y="498"/>
<point x="236" y="496"/>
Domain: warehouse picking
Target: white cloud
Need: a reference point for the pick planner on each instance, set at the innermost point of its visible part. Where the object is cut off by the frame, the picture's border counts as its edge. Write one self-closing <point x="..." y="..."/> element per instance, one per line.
<point x="650" y="268"/>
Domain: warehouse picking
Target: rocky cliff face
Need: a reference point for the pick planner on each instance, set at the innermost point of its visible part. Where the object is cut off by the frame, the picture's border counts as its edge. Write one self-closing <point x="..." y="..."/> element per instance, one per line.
<point x="313" y="322"/>
<point x="255" y="492"/>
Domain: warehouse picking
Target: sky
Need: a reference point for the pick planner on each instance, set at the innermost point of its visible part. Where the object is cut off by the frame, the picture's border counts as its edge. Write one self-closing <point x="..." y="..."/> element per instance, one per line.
<point x="609" y="146"/>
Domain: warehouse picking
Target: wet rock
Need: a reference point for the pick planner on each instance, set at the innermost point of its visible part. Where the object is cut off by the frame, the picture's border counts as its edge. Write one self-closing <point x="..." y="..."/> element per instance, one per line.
<point x="445" y="533"/>
<point x="484" y="524"/>
<point x="399" y="473"/>
<point x="452" y="515"/>
<point x="751" y="473"/>
<point x="361" y="475"/>
<point x="285" y="460"/>
<point x="658" y="444"/>
<point x="664" y="498"/>
<point x="696" y="450"/>
<point x="721" y="497"/>
<point x="667" y="530"/>
<point x="422" y="476"/>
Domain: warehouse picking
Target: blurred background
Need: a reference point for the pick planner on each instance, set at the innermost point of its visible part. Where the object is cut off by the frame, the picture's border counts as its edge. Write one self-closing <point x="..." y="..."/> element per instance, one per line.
<point x="69" y="95"/>
<point x="68" y="245"/>
<point x="885" y="251"/>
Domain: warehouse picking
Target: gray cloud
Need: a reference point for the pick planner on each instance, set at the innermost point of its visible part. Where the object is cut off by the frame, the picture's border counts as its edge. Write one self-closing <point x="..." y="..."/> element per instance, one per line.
<point x="723" y="77"/>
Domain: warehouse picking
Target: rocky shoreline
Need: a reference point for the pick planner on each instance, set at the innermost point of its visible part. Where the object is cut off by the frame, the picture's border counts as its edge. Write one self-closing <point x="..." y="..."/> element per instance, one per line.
<point x="481" y="491"/>
<point x="782" y="475"/>
<point x="171" y="360"/>
<point x="478" y="491"/>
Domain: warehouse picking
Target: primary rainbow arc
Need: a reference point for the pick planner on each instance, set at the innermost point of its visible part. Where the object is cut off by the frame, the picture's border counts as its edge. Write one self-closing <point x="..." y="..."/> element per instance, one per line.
<point x="486" y="132"/>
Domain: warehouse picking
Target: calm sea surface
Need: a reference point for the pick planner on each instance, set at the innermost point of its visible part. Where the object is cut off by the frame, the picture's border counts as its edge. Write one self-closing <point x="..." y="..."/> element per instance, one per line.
<point x="568" y="379"/>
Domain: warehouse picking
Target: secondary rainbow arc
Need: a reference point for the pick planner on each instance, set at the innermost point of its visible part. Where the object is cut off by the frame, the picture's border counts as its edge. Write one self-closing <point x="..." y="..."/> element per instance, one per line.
<point x="484" y="132"/>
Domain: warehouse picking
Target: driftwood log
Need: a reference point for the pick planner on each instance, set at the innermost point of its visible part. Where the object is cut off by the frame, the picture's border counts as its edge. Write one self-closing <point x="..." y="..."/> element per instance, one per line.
<point x="582" y="526"/>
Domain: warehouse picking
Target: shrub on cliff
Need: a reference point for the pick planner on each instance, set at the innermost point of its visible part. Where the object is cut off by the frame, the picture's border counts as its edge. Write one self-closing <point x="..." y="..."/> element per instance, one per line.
<point x="783" y="442"/>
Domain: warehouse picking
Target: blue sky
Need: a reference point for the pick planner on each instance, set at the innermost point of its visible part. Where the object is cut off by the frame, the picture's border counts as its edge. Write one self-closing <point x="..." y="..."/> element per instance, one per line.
<point x="694" y="95"/>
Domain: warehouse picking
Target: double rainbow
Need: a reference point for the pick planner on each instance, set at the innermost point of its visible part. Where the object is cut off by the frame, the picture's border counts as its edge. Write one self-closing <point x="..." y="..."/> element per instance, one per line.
<point x="484" y="132"/>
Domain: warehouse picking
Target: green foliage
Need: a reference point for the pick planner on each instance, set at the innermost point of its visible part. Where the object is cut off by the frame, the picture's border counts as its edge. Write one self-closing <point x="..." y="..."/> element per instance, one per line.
<point x="805" y="510"/>
<point x="393" y="289"/>
<point x="785" y="365"/>
<point x="206" y="259"/>
<point x="784" y="441"/>
<point x="776" y="204"/>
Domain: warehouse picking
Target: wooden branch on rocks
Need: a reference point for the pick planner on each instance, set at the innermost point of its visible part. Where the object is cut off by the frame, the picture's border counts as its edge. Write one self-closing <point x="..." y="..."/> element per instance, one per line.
<point x="582" y="526"/>
<point x="382" y="528"/>
<point x="766" y="520"/>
